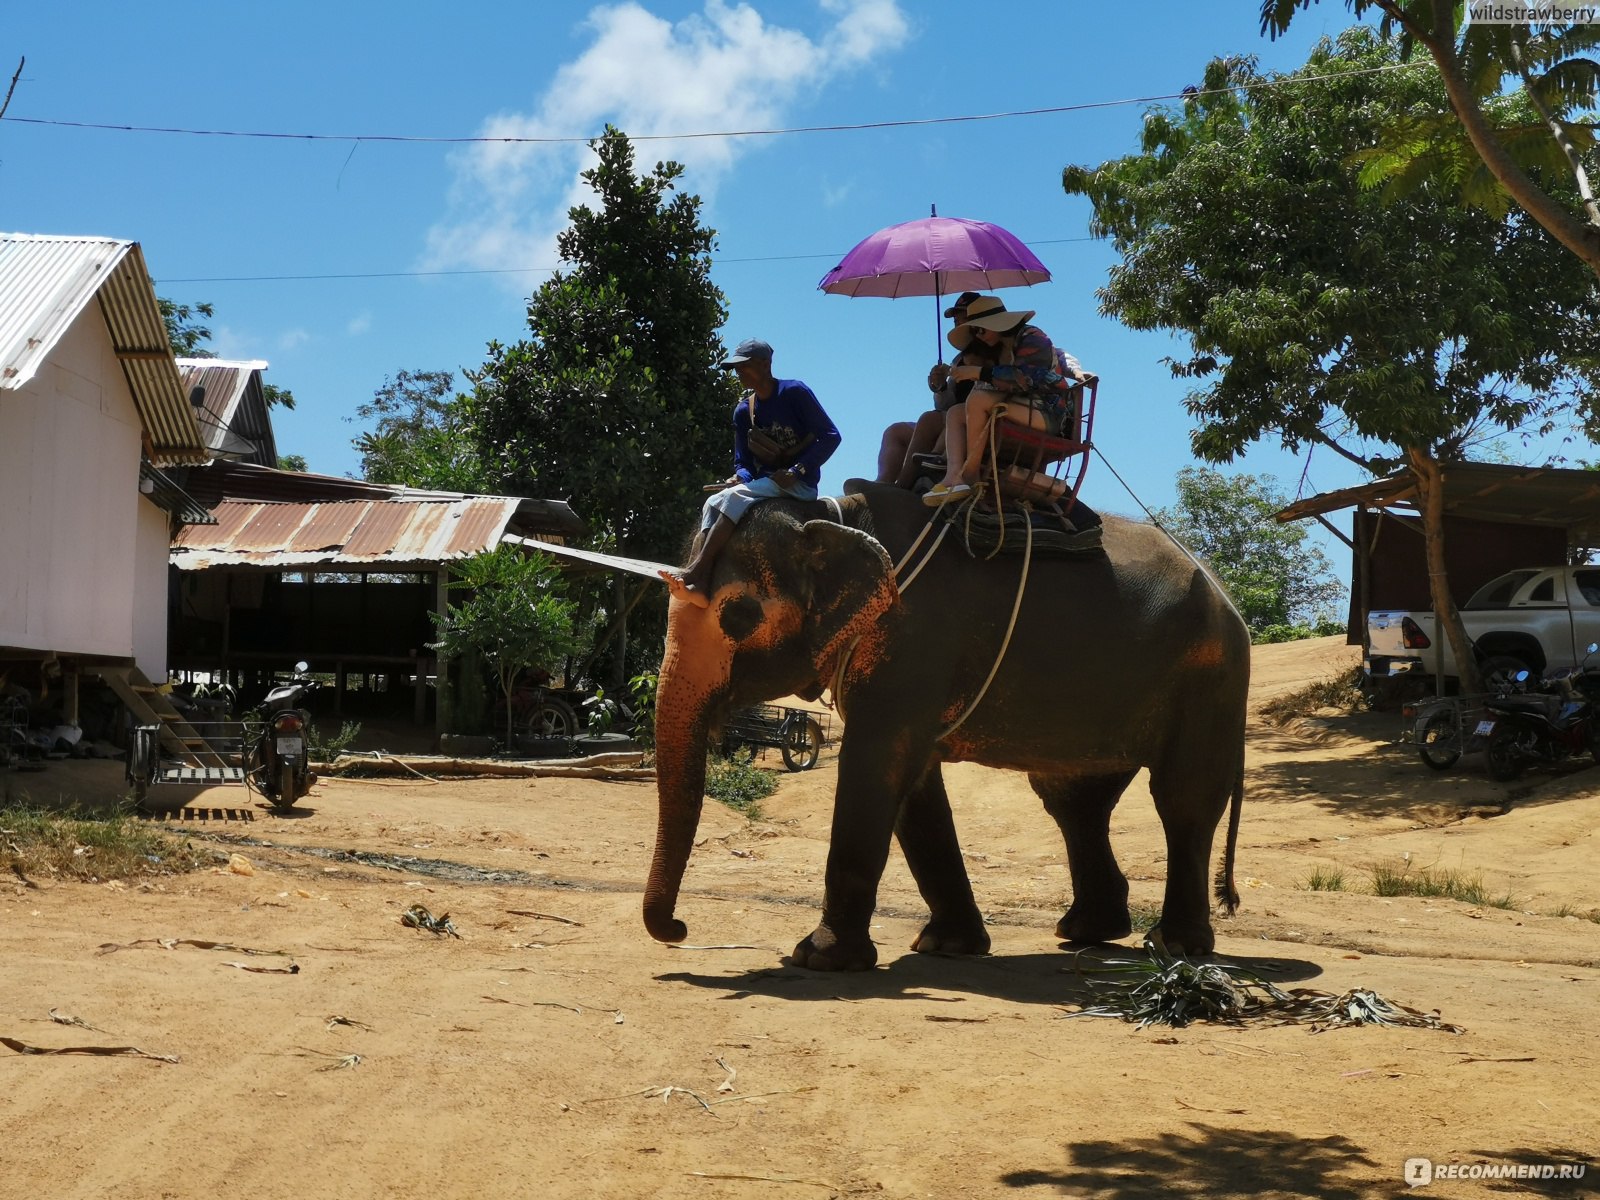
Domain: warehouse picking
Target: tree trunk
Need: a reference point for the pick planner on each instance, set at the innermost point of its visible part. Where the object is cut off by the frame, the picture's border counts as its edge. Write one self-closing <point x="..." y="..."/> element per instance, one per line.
<point x="1577" y="236"/>
<point x="619" y="668"/>
<point x="1447" y="620"/>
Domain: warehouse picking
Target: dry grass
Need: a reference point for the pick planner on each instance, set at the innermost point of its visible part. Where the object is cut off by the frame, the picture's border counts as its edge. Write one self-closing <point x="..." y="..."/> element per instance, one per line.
<point x="1341" y="691"/>
<point x="91" y="848"/>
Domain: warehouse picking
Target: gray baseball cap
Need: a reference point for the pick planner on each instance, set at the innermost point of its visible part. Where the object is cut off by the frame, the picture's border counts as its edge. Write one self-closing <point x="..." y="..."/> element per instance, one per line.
<point x="745" y="351"/>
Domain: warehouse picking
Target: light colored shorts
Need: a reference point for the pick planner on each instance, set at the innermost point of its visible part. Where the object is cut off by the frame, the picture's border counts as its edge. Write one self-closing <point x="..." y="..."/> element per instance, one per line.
<point x="733" y="502"/>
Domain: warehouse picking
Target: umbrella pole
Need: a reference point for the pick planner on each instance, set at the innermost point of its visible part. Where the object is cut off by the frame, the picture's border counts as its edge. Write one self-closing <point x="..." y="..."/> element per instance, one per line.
<point x="938" y="303"/>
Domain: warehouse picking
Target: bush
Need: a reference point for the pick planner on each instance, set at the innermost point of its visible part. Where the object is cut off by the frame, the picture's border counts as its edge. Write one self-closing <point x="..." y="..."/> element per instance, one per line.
<point x="88" y="847"/>
<point x="739" y="783"/>
<point x="1336" y="691"/>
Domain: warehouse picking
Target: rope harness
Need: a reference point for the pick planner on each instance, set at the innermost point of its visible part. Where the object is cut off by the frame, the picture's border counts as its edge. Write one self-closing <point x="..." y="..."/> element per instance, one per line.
<point x="945" y="521"/>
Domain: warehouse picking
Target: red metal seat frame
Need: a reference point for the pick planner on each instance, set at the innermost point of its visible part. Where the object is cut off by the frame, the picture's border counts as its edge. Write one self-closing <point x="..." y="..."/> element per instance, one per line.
<point x="1038" y="452"/>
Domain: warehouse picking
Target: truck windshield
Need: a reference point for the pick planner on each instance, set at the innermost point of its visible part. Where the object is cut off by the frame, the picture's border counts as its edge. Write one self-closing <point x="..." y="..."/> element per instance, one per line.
<point x="1497" y="592"/>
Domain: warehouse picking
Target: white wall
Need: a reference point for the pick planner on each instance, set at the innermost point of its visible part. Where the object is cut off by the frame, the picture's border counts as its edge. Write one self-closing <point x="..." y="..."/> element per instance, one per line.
<point x="70" y="511"/>
<point x="152" y="546"/>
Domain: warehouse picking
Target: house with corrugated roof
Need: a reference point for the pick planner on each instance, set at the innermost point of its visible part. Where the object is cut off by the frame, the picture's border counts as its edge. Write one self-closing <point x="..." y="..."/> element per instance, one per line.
<point x="230" y="402"/>
<point x="93" y="416"/>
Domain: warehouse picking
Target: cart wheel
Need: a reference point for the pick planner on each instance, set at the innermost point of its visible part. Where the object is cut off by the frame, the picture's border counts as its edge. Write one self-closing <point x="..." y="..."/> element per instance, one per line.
<point x="1500" y="757"/>
<point x="551" y="718"/>
<point x="802" y="744"/>
<point x="1438" y="740"/>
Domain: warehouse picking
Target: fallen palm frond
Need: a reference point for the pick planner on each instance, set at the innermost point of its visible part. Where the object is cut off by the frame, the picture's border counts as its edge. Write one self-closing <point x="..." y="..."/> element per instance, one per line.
<point x="543" y="916"/>
<point x="61" y="1018"/>
<point x="340" y="1061"/>
<point x="174" y="943"/>
<point x="336" y="1020"/>
<point x="821" y="1183"/>
<point x="418" y="917"/>
<point x="133" y="1051"/>
<point x="291" y="969"/>
<point x="1161" y="989"/>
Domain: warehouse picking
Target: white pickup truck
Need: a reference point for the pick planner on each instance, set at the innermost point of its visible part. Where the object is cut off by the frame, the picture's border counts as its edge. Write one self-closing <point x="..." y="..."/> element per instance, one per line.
<point x="1537" y="617"/>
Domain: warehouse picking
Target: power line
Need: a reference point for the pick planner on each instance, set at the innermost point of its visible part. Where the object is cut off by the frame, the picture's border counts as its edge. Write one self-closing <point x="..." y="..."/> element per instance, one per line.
<point x="523" y="270"/>
<point x="905" y="123"/>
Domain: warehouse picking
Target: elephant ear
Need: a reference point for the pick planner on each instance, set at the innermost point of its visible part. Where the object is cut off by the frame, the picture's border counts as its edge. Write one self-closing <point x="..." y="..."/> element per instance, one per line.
<point x="850" y="586"/>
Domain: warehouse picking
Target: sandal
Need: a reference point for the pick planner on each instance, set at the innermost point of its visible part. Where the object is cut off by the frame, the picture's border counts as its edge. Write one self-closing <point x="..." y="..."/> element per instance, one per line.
<point x="941" y="494"/>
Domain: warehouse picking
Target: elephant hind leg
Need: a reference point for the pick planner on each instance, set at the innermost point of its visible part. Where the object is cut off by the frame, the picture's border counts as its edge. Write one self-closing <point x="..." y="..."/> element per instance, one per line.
<point x="927" y="835"/>
<point x="1192" y="792"/>
<point x="1081" y="806"/>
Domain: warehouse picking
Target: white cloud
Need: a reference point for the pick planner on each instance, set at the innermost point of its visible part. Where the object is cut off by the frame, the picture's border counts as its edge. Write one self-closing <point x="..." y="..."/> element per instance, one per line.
<point x="359" y="324"/>
<point x="289" y="339"/>
<point x="725" y="68"/>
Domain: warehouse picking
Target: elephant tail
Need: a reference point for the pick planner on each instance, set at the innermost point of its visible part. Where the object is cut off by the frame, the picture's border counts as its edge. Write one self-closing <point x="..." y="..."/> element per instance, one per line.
<point x="1227" y="893"/>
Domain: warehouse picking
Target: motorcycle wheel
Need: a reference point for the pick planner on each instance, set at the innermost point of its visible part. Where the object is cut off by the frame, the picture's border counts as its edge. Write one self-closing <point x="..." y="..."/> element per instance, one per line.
<point x="286" y="785"/>
<point x="1438" y="741"/>
<point x="1501" y="757"/>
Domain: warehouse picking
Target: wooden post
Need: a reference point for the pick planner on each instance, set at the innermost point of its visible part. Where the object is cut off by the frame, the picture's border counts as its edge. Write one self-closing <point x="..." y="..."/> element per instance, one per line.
<point x="442" y="668"/>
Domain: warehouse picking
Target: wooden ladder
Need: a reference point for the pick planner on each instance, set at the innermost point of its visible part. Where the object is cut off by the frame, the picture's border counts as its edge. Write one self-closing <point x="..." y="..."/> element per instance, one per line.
<point x="150" y="706"/>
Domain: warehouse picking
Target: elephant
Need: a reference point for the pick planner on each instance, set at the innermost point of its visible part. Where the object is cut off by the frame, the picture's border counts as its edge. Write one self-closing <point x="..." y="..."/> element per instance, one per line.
<point x="1131" y="659"/>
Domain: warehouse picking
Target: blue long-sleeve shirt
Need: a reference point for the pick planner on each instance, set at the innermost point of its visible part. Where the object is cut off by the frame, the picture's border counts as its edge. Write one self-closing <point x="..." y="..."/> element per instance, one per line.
<point x="787" y="416"/>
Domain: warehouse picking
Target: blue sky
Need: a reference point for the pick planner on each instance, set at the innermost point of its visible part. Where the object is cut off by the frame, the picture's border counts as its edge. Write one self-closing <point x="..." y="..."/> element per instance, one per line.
<point x="343" y="263"/>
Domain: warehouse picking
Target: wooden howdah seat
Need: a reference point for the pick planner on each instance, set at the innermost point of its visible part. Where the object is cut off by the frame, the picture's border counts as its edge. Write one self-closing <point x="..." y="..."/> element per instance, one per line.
<point x="1034" y="465"/>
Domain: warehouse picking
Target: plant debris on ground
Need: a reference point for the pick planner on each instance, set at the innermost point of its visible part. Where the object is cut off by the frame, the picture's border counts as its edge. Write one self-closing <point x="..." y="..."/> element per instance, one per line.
<point x="36" y="845"/>
<point x="1161" y="989"/>
<point x="418" y="917"/>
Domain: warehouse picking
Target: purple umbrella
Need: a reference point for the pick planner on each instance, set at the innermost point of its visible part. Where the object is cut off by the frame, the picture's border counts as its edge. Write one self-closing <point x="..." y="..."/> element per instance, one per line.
<point x="935" y="256"/>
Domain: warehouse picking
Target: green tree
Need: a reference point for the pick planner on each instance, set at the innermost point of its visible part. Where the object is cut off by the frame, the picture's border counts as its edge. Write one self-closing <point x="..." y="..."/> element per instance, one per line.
<point x="422" y="435"/>
<point x="615" y="398"/>
<point x="1283" y="586"/>
<point x="514" y="617"/>
<point x="1315" y="312"/>
<point x="1475" y="63"/>
<point x="184" y="331"/>
<point x="292" y="462"/>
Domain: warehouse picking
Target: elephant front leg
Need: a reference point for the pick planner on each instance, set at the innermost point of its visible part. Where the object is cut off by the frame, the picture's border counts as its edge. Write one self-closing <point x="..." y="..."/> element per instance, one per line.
<point x="1082" y="808"/>
<point x="927" y="836"/>
<point x="872" y="779"/>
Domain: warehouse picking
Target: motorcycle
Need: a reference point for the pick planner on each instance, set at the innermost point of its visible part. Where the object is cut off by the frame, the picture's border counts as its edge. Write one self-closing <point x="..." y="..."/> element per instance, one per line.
<point x="280" y="756"/>
<point x="1553" y="722"/>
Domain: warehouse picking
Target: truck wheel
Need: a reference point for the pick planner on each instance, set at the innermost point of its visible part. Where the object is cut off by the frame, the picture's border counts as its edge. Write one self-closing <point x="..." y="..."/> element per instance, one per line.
<point x="1500" y="756"/>
<point x="1438" y="741"/>
<point x="551" y="718"/>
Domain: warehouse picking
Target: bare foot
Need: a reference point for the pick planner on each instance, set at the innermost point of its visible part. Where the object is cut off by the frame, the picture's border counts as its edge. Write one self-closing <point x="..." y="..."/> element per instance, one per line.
<point x="681" y="589"/>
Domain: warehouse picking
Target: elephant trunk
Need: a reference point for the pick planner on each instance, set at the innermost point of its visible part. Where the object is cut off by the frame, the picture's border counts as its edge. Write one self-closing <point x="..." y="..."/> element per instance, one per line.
<point x="683" y="723"/>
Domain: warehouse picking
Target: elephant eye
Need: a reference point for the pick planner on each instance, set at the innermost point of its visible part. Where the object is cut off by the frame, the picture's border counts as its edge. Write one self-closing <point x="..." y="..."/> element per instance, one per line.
<point x="740" y="617"/>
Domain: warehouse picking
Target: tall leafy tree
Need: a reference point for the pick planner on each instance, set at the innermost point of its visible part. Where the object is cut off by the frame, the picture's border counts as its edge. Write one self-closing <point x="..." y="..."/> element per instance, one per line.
<point x="1315" y="313"/>
<point x="1551" y="66"/>
<point x="514" y="616"/>
<point x="421" y="435"/>
<point x="614" y="399"/>
<point x="1282" y="584"/>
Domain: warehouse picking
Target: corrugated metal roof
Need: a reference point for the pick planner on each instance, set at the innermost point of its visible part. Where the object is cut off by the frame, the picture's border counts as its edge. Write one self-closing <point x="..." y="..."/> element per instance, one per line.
<point x="244" y="481"/>
<point x="365" y="534"/>
<point x="233" y="416"/>
<point x="171" y="497"/>
<point x="46" y="283"/>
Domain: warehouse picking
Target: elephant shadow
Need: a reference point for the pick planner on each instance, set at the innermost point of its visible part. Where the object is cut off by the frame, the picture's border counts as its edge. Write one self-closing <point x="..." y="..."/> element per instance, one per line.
<point x="1052" y="979"/>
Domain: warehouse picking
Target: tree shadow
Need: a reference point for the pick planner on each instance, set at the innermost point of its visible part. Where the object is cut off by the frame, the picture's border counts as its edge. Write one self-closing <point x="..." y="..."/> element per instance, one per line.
<point x="1387" y="778"/>
<point x="1212" y="1161"/>
<point x="1042" y="979"/>
<point x="1541" y="1156"/>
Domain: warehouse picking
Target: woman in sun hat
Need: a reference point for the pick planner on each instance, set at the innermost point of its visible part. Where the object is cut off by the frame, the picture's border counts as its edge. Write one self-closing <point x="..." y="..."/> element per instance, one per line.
<point x="1028" y="375"/>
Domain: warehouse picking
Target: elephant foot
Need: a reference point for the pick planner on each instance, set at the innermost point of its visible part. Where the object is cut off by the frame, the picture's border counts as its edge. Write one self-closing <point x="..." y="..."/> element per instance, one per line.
<point x="1082" y="924"/>
<point x="824" y="950"/>
<point x="952" y="937"/>
<point x="1184" y="940"/>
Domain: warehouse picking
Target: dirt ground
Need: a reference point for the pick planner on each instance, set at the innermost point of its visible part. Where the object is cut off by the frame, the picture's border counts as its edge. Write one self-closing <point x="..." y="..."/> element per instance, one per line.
<point x="534" y="1055"/>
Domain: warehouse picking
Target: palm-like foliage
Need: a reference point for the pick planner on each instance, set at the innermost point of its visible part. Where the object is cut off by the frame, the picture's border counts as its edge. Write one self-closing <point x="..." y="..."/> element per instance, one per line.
<point x="1520" y="124"/>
